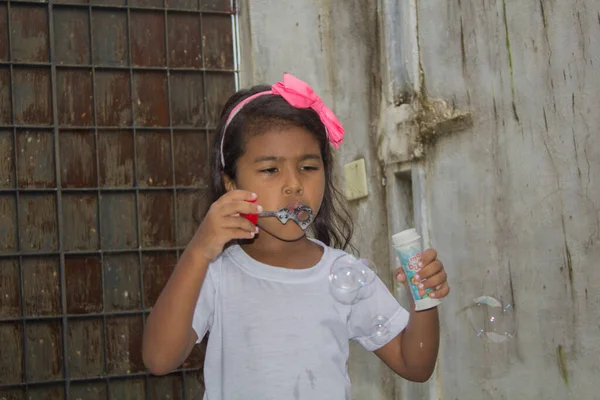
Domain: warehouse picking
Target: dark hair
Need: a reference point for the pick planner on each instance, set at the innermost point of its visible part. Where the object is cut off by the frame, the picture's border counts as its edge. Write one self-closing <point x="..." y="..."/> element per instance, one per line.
<point x="333" y="225"/>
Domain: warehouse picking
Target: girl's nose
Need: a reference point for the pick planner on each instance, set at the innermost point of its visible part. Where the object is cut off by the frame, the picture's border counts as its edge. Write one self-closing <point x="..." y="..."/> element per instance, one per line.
<point x="298" y="190"/>
<point x="293" y="185"/>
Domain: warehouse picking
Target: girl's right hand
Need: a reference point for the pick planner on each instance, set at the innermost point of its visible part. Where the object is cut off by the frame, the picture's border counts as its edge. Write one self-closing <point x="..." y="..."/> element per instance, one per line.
<point x="224" y="223"/>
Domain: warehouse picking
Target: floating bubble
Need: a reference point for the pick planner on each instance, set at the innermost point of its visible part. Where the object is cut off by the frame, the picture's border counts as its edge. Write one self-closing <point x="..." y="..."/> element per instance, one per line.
<point x="491" y="319"/>
<point x="380" y="331"/>
<point x="351" y="279"/>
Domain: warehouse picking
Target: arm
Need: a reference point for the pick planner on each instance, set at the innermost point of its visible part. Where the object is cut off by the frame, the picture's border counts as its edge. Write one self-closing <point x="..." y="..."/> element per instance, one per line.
<point x="168" y="335"/>
<point x="413" y="353"/>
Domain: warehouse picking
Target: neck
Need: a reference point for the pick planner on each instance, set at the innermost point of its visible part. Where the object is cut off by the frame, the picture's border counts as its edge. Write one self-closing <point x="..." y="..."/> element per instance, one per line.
<point x="271" y="250"/>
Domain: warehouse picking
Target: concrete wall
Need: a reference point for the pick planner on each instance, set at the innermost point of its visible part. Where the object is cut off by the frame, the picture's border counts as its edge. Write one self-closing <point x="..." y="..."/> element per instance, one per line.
<point x="514" y="202"/>
<point x="333" y="45"/>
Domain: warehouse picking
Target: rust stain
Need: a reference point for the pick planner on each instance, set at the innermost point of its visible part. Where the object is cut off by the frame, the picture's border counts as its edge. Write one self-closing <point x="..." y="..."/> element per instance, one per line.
<point x="190" y="166"/>
<point x="115" y="152"/>
<point x="33" y="99"/>
<point x="29" y="39"/>
<point x="3" y="33"/>
<point x="8" y="225"/>
<point x="110" y="37"/>
<point x="118" y="221"/>
<point x="217" y="39"/>
<point x="156" y="214"/>
<point x="182" y="4"/>
<point x="154" y="159"/>
<point x="6" y="163"/>
<point x="44" y="348"/>
<point x="216" y="5"/>
<point x="88" y="391"/>
<point x="146" y="3"/>
<point x="187" y="107"/>
<point x="124" y="343"/>
<point x="83" y="277"/>
<point x="75" y="98"/>
<point x="184" y="41"/>
<point x="113" y="99"/>
<point x="35" y="159"/>
<point x="80" y="224"/>
<point x="11" y="366"/>
<point x="41" y="295"/>
<point x="148" y="38"/>
<point x="169" y="387"/>
<point x="9" y="289"/>
<point x="121" y="282"/>
<point x="77" y="159"/>
<point x="86" y="342"/>
<point x="38" y="223"/>
<point x="5" y="101"/>
<point x="157" y="268"/>
<point x="187" y="203"/>
<point x="219" y="86"/>
<point x="150" y="99"/>
<point x="128" y="389"/>
<point x="72" y="38"/>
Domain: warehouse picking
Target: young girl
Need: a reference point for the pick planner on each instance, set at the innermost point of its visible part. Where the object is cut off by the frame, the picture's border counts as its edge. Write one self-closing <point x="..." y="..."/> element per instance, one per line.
<point x="263" y="291"/>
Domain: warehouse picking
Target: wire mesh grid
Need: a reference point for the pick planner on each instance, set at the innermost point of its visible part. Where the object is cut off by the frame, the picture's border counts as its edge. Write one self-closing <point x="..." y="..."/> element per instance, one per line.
<point x="106" y="113"/>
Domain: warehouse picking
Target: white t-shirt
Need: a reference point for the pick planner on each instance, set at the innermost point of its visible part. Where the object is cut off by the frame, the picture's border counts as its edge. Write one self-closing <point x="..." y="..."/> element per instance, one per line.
<point x="278" y="333"/>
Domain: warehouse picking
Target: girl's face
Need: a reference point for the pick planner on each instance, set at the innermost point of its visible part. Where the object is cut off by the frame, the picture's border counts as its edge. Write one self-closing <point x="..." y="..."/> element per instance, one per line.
<point x="285" y="169"/>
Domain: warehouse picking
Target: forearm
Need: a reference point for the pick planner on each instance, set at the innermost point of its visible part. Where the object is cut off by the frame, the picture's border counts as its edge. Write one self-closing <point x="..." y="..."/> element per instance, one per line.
<point x="167" y="334"/>
<point x="420" y="343"/>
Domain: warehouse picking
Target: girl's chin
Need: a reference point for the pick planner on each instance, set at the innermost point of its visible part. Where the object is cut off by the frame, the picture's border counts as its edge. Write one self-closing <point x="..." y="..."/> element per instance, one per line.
<point x="289" y="232"/>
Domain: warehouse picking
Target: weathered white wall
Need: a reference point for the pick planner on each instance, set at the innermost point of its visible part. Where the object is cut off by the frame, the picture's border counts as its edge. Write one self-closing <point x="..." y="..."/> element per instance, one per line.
<point x="333" y="45"/>
<point x="514" y="202"/>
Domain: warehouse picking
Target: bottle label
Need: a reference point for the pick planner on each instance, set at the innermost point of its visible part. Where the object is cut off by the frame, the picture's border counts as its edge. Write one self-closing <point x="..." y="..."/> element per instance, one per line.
<point x="409" y="258"/>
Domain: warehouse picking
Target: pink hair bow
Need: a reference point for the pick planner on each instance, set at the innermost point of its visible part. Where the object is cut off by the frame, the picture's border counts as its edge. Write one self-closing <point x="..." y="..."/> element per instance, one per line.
<point x="298" y="94"/>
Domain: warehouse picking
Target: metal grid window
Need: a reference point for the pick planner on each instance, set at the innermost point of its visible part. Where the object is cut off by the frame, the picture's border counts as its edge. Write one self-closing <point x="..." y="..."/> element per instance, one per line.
<point x="106" y="112"/>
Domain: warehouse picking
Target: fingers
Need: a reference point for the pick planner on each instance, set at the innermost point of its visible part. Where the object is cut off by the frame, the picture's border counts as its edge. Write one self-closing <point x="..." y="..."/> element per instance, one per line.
<point x="441" y="291"/>
<point x="239" y="195"/>
<point x="240" y="234"/>
<point x="429" y="270"/>
<point x="237" y="222"/>
<point x="427" y="257"/>
<point x="434" y="281"/>
<point x="400" y="275"/>
<point x="232" y="208"/>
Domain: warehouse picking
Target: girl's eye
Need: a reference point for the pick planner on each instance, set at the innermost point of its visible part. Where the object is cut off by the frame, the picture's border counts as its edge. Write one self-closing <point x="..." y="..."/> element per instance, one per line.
<point x="309" y="168"/>
<point x="269" y="170"/>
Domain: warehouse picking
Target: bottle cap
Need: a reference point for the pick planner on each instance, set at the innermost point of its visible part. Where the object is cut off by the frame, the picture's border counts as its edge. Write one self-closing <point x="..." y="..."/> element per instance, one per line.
<point x="404" y="237"/>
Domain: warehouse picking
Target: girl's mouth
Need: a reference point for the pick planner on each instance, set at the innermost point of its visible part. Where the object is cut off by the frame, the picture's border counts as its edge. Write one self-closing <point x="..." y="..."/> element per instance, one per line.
<point x="299" y="213"/>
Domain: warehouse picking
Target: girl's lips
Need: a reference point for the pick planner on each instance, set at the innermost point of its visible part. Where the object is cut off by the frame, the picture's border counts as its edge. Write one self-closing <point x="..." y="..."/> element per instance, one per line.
<point x="294" y="205"/>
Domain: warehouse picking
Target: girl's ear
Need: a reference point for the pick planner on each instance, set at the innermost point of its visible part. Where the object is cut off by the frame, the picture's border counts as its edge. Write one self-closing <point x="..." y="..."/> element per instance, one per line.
<point x="229" y="183"/>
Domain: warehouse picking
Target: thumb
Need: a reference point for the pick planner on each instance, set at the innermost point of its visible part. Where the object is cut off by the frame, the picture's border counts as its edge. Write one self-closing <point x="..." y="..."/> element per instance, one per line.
<point x="400" y="275"/>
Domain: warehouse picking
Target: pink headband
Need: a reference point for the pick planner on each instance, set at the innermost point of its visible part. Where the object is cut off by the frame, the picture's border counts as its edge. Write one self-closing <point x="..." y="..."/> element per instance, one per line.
<point x="298" y="94"/>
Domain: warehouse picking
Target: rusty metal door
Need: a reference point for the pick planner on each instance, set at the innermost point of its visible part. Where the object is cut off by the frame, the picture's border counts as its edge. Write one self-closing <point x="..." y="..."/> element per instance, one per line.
<point x="106" y="111"/>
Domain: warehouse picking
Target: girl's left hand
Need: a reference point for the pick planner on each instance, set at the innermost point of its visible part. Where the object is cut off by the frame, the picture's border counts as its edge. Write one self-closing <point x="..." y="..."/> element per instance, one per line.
<point x="432" y="272"/>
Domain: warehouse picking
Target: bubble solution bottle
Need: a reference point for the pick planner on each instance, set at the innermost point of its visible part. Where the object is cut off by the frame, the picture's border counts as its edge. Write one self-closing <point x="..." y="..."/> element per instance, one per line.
<point x="409" y="248"/>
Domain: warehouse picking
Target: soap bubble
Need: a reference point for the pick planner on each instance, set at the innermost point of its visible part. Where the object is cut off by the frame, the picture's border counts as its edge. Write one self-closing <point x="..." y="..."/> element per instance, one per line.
<point x="491" y="319"/>
<point x="380" y="331"/>
<point x="351" y="279"/>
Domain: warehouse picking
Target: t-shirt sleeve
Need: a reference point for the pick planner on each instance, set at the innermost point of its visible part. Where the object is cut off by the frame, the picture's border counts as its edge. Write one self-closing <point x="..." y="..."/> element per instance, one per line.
<point x="205" y="306"/>
<point x="380" y="307"/>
